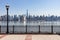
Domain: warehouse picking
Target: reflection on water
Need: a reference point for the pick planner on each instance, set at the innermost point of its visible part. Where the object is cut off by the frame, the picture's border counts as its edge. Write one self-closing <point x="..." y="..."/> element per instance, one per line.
<point x="31" y="23"/>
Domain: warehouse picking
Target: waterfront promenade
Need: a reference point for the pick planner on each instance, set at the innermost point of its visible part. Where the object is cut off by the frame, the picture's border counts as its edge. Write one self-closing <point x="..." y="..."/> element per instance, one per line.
<point x="30" y="37"/>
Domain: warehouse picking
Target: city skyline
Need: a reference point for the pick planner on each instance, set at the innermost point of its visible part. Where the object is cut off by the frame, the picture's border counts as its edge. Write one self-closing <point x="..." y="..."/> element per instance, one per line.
<point x="35" y="7"/>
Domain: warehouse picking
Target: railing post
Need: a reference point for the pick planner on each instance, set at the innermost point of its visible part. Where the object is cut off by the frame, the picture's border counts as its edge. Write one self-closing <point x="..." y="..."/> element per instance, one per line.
<point x="13" y="29"/>
<point x="0" y="28"/>
<point x="52" y="29"/>
<point x="39" y="28"/>
<point x="26" y="28"/>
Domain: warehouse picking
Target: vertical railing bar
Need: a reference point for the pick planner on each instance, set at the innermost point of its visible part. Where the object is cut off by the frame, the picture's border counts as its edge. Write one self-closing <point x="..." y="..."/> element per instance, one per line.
<point x="39" y="28"/>
<point x="0" y="28"/>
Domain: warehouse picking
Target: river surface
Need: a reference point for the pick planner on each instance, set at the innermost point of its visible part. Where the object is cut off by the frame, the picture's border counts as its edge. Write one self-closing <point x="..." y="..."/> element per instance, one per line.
<point x="45" y="26"/>
<point x="31" y="23"/>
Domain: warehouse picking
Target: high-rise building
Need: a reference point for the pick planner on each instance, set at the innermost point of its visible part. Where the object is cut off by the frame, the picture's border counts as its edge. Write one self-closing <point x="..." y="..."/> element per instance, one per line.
<point x="27" y="13"/>
<point x="0" y="18"/>
<point x="15" y="18"/>
<point x="11" y="18"/>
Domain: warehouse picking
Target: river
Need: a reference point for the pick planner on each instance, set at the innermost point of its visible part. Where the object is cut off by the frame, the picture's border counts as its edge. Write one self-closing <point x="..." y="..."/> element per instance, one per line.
<point x="45" y="26"/>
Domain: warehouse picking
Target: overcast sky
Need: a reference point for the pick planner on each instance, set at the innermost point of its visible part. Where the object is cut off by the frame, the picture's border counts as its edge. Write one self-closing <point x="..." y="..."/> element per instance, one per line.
<point x="35" y="7"/>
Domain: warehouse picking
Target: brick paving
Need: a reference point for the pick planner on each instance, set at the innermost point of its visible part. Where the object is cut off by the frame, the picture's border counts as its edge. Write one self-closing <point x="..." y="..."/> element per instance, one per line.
<point x="45" y="37"/>
<point x="29" y="37"/>
<point x="1" y="36"/>
<point x="14" y="37"/>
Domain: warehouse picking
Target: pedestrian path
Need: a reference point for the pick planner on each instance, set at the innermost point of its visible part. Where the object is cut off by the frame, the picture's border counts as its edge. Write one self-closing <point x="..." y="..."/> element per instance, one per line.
<point x="1" y="36"/>
<point x="14" y="37"/>
<point x="45" y="37"/>
<point x="30" y="37"/>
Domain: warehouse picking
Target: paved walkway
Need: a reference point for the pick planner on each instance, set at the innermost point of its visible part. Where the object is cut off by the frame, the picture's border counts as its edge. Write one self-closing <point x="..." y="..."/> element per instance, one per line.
<point x="29" y="37"/>
<point x="1" y="36"/>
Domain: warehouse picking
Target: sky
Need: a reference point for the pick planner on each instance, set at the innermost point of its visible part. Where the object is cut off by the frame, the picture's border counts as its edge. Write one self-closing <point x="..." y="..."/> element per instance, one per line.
<point x="35" y="7"/>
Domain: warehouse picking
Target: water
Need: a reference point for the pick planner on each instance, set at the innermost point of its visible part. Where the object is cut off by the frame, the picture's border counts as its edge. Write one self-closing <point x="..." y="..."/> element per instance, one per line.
<point x="45" y="26"/>
<point x="31" y="23"/>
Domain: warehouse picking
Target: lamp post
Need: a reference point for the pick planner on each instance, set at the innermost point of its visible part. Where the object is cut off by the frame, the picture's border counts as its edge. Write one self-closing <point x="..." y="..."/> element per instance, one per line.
<point x="7" y="8"/>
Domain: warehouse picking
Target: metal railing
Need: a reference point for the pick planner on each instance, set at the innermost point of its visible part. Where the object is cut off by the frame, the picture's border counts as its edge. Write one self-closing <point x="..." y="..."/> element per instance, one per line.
<point x="29" y="29"/>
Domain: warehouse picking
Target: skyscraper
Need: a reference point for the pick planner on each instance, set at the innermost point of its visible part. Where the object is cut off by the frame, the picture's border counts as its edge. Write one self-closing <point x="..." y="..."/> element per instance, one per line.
<point x="27" y="13"/>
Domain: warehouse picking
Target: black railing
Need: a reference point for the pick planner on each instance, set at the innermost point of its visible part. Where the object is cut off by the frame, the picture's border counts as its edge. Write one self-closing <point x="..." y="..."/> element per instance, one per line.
<point x="38" y="31"/>
<point x="26" y="28"/>
<point x="39" y="28"/>
<point x="52" y="29"/>
<point x="0" y="29"/>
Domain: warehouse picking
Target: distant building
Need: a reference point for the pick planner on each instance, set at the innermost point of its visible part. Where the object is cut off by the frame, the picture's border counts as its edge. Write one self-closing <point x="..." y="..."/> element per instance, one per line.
<point x="11" y="18"/>
<point x="0" y="18"/>
<point x="4" y="18"/>
<point x="27" y="14"/>
<point x="19" y="18"/>
<point x="22" y="18"/>
<point x="15" y="18"/>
